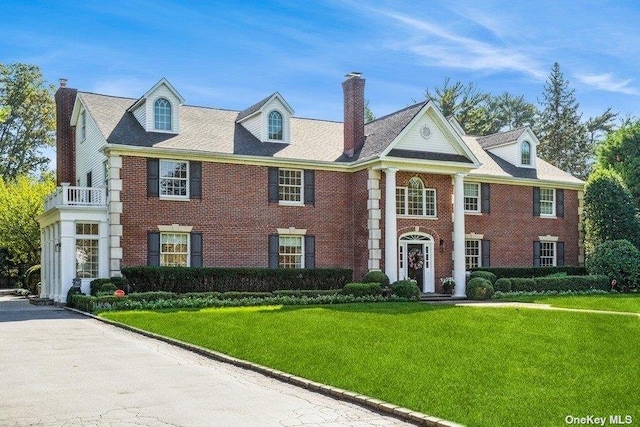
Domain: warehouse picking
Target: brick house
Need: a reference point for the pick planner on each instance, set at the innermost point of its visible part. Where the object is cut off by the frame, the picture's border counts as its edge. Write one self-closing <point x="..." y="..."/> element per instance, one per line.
<point x="152" y="181"/>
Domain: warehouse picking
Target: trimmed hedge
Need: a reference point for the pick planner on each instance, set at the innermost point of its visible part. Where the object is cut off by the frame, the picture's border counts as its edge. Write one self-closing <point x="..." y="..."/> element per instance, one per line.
<point x="213" y="279"/>
<point x="484" y="274"/>
<point x="510" y="272"/>
<point x="307" y="292"/>
<point x="406" y="289"/>
<point x="559" y="284"/>
<point x="479" y="288"/>
<point x="376" y="276"/>
<point x="362" y="289"/>
<point x="96" y="284"/>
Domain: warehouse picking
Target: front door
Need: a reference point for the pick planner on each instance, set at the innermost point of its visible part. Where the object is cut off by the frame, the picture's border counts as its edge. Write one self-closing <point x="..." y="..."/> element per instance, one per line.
<point x="416" y="263"/>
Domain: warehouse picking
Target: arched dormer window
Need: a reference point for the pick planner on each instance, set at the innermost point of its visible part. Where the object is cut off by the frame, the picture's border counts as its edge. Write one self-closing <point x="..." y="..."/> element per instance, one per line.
<point x="162" y="114"/>
<point x="275" y="125"/>
<point x="525" y="153"/>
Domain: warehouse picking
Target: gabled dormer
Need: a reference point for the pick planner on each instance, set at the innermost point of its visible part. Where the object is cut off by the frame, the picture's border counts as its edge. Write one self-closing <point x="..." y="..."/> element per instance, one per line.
<point x="518" y="146"/>
<point x="268" y="120"/>
<point x="158" y="110"/>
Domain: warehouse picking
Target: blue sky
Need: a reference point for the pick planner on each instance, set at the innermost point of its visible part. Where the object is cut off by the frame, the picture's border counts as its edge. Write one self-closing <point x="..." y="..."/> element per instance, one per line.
<point x="231" y="54"/>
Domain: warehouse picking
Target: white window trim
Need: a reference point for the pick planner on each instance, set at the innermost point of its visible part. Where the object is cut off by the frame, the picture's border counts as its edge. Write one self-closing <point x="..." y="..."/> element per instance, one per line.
<point x="468" y="239"/>
<point x="153" y="111"/>
<point x="555" y="251"/>
<point x="175" y="229"/>
<point x="296" y="234"/>
<point x="83" y="125"/>
<point x="160" y="178"/>
<point x="424" y="204"/>
<point x="553" y="205"/>
<point x="479" y="197"/>
<point x="292" y="202"/>
<point x="530" y="164"/>
<point x="188" y="245"/>
<point x="96" y="237"/>
<point x="281" y="124"/>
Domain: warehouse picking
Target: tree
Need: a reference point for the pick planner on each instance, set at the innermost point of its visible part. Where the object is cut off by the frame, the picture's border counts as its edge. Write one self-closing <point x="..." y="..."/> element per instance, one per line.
<point x="27" y="103"/>
<point x="368" y="114"/>
<point x="21" y="202"/>
<point x="466" y="103"/>
<point x="620" y="151"/>
<point x="512" y="112"/>
<point x="609" y="213"/>
<point x="563" y="138"/>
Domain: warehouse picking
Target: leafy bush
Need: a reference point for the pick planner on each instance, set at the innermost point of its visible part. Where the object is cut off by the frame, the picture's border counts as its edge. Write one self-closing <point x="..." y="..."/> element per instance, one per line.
<point x="406" y="289"/>
<point x="32" y="279"/>
<point x="479" y="288"/>
<point x="306" y="292"/>
<point x="502" y="285"/>
<point x="151" y="296"/>
<point x="485" y="275"/>
<point x="108" y="288"/>
<point x="362" y="289"/>
<point x="70" y="293"/>
<point x="510" y="272"/>
<point x="239" y="295"/>
<point x="522" y="284"/>
<point x="619" y="260"/>
<point x="96" y="284"/>
<point x="201" y="295"/>
<point x="376" y="276"/>
<point x="210" y="279"/>
<point x="83" y="302"/>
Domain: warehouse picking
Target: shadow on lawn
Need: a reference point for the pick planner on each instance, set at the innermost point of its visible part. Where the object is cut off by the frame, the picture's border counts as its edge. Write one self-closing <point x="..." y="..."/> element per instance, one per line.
<point x="391" y="308"/>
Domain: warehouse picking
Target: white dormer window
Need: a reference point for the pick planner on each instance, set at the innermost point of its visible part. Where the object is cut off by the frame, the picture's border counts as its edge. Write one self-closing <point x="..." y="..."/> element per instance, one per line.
<point x="525" y="153"/>
<point x="275" y="125"/>
<point x="162" y="114"/>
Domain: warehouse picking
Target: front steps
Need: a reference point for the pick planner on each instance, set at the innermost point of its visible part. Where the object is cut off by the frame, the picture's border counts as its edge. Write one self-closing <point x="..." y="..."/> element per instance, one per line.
<point x="435" y="297"/>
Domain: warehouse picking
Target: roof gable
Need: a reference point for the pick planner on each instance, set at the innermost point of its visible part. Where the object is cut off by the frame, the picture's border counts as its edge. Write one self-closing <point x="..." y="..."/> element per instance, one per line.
<point x="162" y="82"/>
<point x="263" y="105"/>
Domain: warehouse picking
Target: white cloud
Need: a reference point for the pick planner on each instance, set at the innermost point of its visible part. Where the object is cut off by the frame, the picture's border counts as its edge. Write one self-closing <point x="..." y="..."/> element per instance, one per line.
<point x="609" y="83"/>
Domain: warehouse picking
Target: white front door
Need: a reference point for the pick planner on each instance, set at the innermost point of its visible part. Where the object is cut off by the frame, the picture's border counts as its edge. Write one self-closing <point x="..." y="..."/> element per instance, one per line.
<point x="416" y="260"/>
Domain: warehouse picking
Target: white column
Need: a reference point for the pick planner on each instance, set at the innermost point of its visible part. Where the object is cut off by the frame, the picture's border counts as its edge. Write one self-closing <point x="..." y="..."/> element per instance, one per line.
<point x="458" y="235"/>
<point x="390" y="226"/>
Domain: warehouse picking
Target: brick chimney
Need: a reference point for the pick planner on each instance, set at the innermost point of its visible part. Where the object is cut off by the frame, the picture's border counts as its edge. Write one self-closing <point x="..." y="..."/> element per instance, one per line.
<point x="65" y="134"/>
<point x="353" y="88"/>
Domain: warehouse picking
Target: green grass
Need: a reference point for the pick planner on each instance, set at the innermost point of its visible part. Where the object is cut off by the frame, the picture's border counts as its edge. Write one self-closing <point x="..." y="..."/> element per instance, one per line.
<point x="479" y="367"/>
<point x="609" y="302"/>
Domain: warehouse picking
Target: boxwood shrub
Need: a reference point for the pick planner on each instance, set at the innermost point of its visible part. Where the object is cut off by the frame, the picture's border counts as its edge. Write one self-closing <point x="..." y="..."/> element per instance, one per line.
<point x="479" y="288"/>
<point x="362" y="289"/>
<point x="502" y="285"/>
<point x="214" y="279"/>
<point x="406" y="289"/>
<point x="510" y="272"/>
<point x="376" y="276"/>
<point x="558" y="284"/>
<point x="485" y="275"/>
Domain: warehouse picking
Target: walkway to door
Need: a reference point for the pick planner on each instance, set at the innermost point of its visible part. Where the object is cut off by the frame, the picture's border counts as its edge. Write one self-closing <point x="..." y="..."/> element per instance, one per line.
<point x="61" y="368"/>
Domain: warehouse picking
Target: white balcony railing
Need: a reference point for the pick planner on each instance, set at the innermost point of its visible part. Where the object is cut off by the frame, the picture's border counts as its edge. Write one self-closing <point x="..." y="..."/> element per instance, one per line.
<point x="68" y="195"/>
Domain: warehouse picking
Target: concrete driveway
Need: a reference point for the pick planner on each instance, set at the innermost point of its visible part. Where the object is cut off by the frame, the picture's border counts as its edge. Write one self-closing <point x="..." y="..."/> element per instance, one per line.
<point x="60" y="368"/>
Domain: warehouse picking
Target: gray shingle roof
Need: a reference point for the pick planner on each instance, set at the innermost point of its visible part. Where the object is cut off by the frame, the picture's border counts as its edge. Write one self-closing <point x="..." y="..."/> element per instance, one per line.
<point x="215" y="131"/>
<point x="255" y="107"/>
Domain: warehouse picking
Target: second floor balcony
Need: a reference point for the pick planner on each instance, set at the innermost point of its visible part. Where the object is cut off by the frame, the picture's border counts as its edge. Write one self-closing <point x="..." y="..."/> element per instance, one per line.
<point x="68" y="195"/>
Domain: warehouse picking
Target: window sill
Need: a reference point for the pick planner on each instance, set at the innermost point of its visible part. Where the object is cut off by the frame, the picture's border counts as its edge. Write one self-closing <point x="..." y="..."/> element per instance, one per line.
<point x="549" y="216"/>
<point x="283" y="203"/>
<point x="473" y="213"/>
<point x="416" y="217"/>
<point x="176" y="198"/>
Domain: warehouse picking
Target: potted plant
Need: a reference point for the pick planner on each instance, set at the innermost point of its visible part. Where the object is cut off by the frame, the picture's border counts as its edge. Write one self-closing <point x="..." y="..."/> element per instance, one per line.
<point x="448" y="284"/>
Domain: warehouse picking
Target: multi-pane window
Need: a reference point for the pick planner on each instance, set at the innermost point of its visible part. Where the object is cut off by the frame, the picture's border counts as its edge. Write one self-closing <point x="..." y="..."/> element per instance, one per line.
<point x="472" y="197"/>
<point x="290" y="185"/>
<point x="174" y="249"/>
<point x="525" y="153"/>
<point x="415" y="200"/>
<point x="162" y="114"/>
<point x="87" y="259"/>
<point x="83" y="125"/>
<point x="547" y="201"/>
<point x="547" y="254"/>
<point x="275" y="125"/>
<point x="290" y="252"/>
<point x="472" y="254"/>
<point x="174" y="178"/>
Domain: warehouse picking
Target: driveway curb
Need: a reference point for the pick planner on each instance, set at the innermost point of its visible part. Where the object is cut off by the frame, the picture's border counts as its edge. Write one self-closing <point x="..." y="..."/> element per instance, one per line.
<point x="399" y="412"/>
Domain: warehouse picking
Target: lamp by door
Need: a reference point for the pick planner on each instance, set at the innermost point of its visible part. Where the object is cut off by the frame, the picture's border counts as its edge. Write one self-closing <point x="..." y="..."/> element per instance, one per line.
<point x="441" y="245"/>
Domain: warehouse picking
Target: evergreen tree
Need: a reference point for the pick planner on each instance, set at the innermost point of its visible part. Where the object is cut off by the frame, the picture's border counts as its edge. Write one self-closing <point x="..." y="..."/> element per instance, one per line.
<point x="563" y="138"/>
<point x="512" y="112"/>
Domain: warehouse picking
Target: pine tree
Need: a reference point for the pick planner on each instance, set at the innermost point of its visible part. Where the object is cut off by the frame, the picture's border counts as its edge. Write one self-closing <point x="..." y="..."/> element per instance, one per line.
<point x="563" y="138"/>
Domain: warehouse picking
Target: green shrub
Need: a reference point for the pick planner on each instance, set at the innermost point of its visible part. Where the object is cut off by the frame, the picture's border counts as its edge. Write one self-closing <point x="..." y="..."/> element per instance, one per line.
<point x="96" y="284"/>
<point x="74" y="290"/>
<point x="306" y="292"/>
<point x="485" y="275"/>
<point x="108" y="288"/>
<point x="362" y="289"/>
<point x="83" y="302"/>
<point x="240" y="295"/>
<point x="217" y="295"/>
<point x="376" y="276"/>
<point x="619" y="260"/>
<point x="151" y="296"/>
<point x="510" y="272"/>
<point x="502" y="285"/>
<point x="479" y="288"/>
<point x="406" y="289"/>
<point x="217" y="279"/>
<point x="522" y="284"/>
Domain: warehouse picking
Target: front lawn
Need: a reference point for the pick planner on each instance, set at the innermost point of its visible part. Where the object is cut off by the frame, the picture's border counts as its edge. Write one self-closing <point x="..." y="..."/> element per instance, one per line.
<point x="610" y="302"/>
<point x="479" y="367"/>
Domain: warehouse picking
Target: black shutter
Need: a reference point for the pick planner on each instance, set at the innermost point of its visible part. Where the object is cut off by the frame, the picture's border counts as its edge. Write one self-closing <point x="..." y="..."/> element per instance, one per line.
<point x="559" y="254"/>
<point x="485" y="193"/>
<point x="309" y="187"/>
<point x="153" y="248"/>
<point x="486" y="253"/>
<point x="536" y="201"/>
<point x="273" y="185"/>
<point x="89" y="179"/>
<point x="195" y="180"/>
<point x="309" y="251"/>
<point x="153" y="177"/>
<point x="196" y="250"/>
<point x="274" y="244"/>
<point x="536" y="254"/>
<point x="560" y="203"/>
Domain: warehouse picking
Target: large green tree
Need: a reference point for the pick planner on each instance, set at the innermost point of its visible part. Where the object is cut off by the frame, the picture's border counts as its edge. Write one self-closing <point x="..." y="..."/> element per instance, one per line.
<point x="609" y="213"/>
<point x="21" y="202"/>
<point x="27" y="113"/>
<point x="511" y="112"/>
<point x="620" y="151"/>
